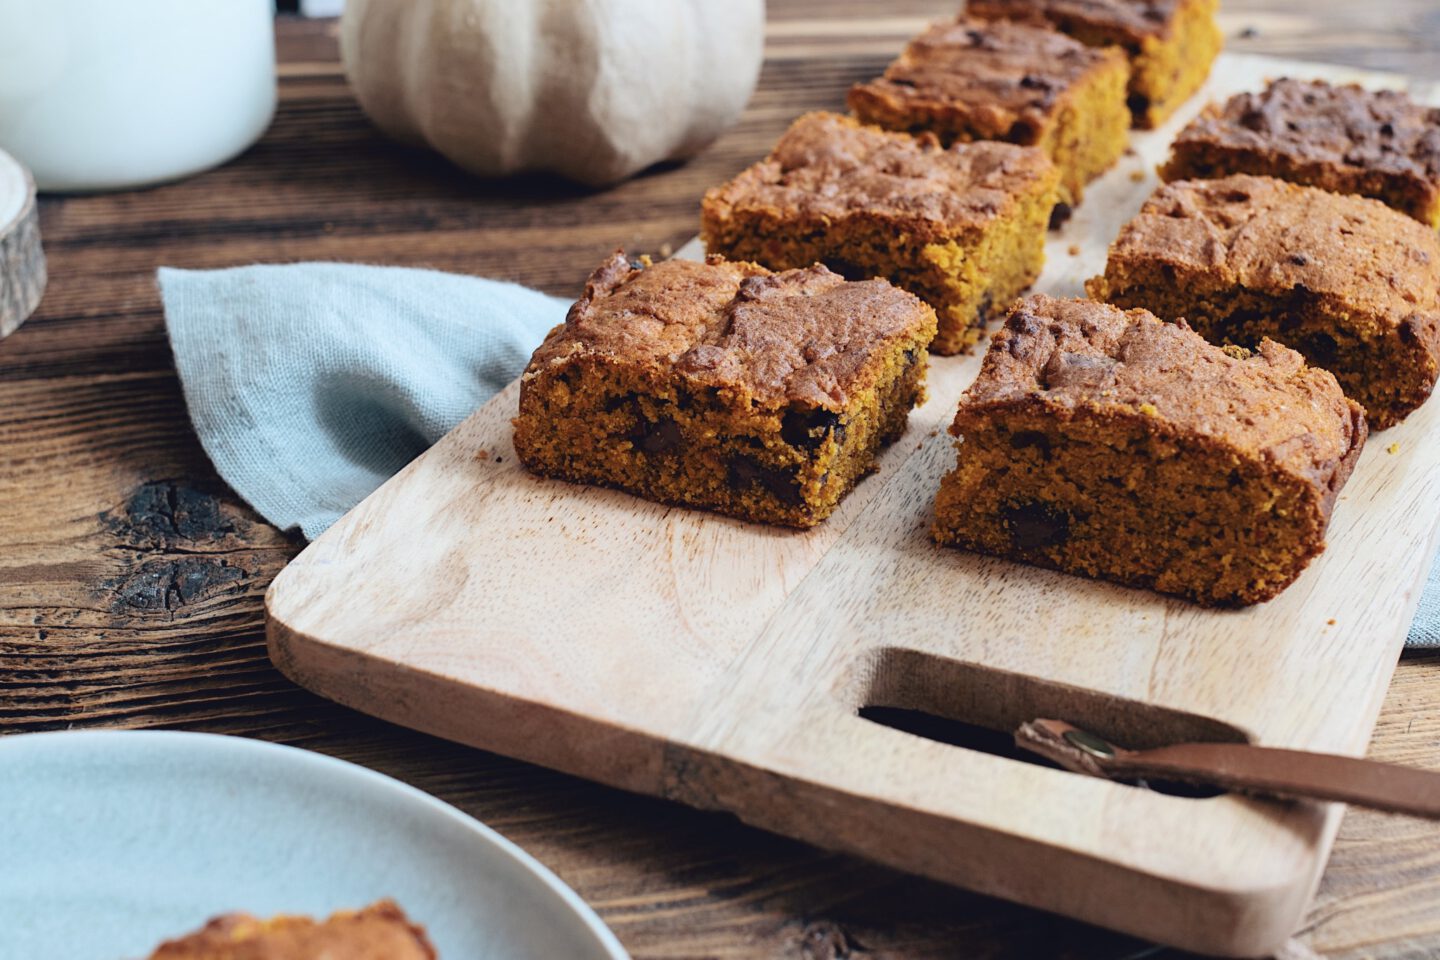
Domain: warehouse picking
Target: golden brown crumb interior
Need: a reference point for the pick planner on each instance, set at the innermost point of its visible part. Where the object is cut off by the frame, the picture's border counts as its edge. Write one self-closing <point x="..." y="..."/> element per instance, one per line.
<point x="1113" y="498"/>
<point x="1169" y="69"/>
<point x="655" y="436"/>
<point x="1091" y="131"/>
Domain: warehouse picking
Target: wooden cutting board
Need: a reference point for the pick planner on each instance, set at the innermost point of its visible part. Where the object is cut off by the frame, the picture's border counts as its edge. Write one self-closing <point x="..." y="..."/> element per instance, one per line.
<point x="725" y="665"/>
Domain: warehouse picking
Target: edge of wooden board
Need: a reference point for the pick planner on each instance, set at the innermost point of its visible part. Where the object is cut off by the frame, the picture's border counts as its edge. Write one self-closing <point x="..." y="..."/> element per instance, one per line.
<point x="1245" y="917"/>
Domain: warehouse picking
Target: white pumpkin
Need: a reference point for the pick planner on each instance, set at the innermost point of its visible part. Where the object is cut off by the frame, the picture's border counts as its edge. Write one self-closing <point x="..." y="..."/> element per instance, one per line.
<point x="593" y="90"/>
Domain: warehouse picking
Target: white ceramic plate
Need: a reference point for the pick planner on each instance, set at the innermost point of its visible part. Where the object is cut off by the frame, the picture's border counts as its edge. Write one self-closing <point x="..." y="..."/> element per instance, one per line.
<point x="111" y="842"/>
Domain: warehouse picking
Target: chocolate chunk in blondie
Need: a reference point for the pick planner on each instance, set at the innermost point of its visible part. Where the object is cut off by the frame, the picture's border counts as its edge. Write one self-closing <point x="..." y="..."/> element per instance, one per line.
<point x="721" y="385"/>
<point x="962" y="228"/>
<point x="1114" y="445"/>
<point x="1346" y="281"/>
<point x="977" y="80"/>
<point x="1345" y="139"/>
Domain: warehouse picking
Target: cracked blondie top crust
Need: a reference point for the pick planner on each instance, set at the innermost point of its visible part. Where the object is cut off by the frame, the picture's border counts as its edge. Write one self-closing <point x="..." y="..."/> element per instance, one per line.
<point x="963" y="228"/>
<point x="973" y="79"/>
<point x="1348" y="282"/>
<point x="1171" y="43"/>
<point x="721" y="385"/>
<point x="380" y="931"/>
<point x="827" y="168"/>
<point x="801" y="336"/>
<point x="1346" y="139"/>
<point x="1115" y="445"/>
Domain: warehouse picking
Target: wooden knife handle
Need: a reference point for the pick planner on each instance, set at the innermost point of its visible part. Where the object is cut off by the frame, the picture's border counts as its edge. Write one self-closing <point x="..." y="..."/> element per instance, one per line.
<point x="1262" y="771"/>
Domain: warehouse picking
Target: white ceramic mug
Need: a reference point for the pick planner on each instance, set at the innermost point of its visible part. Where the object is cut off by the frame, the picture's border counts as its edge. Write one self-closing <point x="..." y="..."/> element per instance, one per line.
<point x="108" y="94"/>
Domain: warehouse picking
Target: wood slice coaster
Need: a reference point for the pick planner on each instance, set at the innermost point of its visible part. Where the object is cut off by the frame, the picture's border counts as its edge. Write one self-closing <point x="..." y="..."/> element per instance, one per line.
<point x="22" y="264"/>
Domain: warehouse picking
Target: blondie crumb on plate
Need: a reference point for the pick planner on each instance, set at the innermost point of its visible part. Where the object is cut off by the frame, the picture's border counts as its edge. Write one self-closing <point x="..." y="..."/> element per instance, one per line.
<point x="1350" y="283"/>
<point x="380" y="931"/>
<point x="1171" y="43"/>
<point x="721" y="385"/>
<point x="1345" y="138"/>
<point x="1115" y="445"/>
<point x="977" y="80"/>
<point x="962" y="228"/>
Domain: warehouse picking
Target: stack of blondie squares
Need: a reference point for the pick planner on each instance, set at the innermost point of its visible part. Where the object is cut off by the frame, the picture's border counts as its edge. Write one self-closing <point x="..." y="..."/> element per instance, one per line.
<point x="1190" y="427"/>
<point x="983" y="131"/>
<point x="1187" y="430"/>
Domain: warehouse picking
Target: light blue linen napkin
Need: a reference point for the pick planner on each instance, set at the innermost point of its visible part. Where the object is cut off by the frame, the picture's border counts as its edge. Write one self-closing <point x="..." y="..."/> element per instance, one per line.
<point x="312" y="383"/>
<point x="1425" y="631"/>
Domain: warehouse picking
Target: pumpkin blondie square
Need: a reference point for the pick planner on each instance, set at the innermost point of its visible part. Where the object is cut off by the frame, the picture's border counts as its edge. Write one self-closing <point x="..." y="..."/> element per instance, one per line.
<point x="1171" y="43"/>
<point x="1346" y="139"/>
<point x="1115" y="445"/>
<point x="977" y="80"/>
<point x="721" y="385"/>
<point x="380" y="931"/>
<point x="1350" y="283"/>
<point x="962" y="228"/>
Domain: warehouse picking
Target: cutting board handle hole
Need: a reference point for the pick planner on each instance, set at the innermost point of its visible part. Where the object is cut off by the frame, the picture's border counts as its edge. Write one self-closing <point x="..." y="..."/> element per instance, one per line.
<point x="976" y="707"/>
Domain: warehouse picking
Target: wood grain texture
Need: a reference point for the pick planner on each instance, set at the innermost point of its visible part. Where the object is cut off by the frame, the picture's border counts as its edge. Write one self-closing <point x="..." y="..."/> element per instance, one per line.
<point x="719" y="663"/>
<point x="22" y="262"/>
<point x="105" y="498"/>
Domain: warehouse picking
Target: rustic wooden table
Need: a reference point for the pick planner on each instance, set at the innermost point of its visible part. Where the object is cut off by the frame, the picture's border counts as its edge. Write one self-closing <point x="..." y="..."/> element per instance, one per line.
<point x="131" y="578"/>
